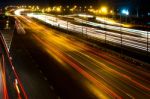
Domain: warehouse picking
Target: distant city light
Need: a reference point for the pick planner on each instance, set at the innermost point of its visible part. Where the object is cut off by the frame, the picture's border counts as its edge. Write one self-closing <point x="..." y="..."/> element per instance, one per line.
<point x="125" y="11"/>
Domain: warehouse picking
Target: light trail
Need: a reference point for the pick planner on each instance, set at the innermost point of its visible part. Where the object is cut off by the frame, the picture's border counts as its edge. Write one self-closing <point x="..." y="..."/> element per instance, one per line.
<point x="100" y="19"/>
<point x="104" y="75"/>
<point x="24" y="95"/>
<point x="3" y="86"/>
<point x="18" y="12"/>
<point x="131" y="37"/>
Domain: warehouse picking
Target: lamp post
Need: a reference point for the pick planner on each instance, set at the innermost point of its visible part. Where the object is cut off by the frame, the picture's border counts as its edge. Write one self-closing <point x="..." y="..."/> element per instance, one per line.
<point x="104" y="11"/>
<point x="125" y="12"/>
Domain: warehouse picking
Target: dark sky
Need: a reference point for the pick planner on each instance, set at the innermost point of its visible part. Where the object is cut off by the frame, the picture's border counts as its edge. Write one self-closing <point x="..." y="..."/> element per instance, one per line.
<point x="132" y="3"/>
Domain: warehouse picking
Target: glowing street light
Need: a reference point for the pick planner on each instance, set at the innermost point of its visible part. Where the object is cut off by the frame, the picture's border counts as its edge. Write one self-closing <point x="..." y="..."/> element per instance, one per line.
<point x="48" y="9"/>
<point x="75" y="6"/>
<point x="91" y="7"/>
<point x="43" y="10"/>
<point x="67" y="6"/>
<point x="37" y="7"/>
<point x="58" y="9"/>
<point x="104" y="10"/>
<point x="125" y="11"/>
<point x="111" y="12"/>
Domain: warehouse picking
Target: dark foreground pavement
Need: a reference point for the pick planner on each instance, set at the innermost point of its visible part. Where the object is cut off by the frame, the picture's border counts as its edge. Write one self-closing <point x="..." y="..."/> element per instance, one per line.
<point x="34" y="82"/>
<point x="40" y="74"/>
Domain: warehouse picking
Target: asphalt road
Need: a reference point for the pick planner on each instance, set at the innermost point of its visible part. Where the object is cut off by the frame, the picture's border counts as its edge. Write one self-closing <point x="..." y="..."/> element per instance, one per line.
<point x="73" y="68"/>
<point x="32" y="78"/>
<point x="39" y="80"/>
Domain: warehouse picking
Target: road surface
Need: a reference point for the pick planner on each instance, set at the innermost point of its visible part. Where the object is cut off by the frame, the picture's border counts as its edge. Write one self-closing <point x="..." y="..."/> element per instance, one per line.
<point x="33" y="80"/>
<point x="77" y="70"/>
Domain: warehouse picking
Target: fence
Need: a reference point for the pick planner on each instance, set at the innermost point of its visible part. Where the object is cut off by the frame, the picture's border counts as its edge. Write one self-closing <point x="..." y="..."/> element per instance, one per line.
<point x="119" y="35"/>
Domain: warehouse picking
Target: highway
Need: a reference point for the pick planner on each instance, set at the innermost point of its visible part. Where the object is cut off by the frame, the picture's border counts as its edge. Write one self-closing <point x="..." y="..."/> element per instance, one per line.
<point x="126" y="37"/>
<point x="100" y="19"/>
<point x="30" y="75"/>
<point x="79" y="71"/>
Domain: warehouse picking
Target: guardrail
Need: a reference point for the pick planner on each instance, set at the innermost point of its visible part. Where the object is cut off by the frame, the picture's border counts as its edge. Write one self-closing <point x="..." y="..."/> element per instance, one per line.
<point x="14" y="85"/>
<point x="124" y="37"/>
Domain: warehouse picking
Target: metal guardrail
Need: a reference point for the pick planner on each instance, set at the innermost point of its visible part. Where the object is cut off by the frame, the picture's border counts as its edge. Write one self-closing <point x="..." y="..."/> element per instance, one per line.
<point x="131" y="38"/>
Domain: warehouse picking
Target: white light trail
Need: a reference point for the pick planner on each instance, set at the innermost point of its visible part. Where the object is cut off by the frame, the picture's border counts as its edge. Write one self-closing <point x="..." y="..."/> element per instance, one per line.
<point x="136" y="40"/>
<point x="18" y="12"/>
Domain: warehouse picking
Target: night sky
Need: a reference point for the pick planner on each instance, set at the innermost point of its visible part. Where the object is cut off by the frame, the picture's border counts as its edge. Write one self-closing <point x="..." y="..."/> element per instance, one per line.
<point x="143" y="4"/>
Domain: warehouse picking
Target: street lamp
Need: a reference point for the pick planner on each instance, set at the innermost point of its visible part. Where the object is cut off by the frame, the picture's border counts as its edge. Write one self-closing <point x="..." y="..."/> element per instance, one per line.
<point x="111" y="12"/>
<point x="68" y="6"/>
<point x="48" y="9"/>
<point x="91" y="7"/>
<point x="104" y="10"/>
<point x="125" y="12"/>
<point x="58" y="9"/>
